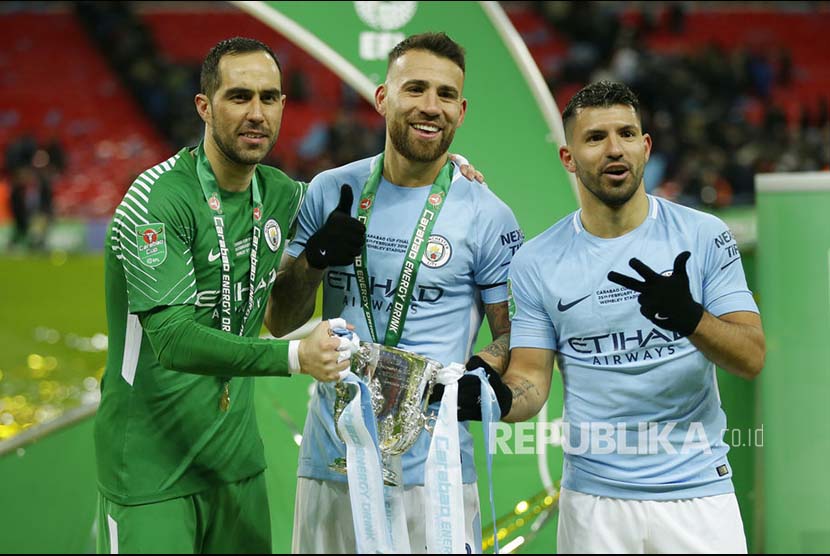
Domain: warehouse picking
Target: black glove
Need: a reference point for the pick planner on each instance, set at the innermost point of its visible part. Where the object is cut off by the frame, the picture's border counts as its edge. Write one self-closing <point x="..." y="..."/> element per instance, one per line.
<point x="664" y="300"/>
<point x="340" y="239"/>
<point x="469" y="391"/>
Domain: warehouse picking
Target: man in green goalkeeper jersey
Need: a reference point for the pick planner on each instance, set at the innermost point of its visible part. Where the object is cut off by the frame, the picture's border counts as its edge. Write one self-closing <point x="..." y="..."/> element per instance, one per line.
<point x="191" y="256"/>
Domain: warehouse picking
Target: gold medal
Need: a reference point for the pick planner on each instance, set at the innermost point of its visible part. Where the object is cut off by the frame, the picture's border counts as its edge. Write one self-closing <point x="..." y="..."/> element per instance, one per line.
<point x="225" y="400"/>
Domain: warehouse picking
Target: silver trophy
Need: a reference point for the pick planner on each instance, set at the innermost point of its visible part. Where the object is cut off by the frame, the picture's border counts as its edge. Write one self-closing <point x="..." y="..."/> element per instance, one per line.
<point x="400" y="383"/>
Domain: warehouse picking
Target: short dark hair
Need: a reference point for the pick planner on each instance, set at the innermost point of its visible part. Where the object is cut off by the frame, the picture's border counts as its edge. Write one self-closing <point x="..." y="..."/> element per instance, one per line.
<point x="602" y="94"/>
<point x="437" y="43"/>
<point x="210" y="79"/>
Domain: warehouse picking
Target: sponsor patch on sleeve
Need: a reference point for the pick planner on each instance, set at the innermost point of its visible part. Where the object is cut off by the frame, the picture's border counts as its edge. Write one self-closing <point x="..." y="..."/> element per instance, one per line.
<point x="151" y="243"/>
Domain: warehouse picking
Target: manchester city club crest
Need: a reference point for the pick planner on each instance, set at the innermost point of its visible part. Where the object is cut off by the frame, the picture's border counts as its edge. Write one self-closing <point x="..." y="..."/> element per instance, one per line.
<point x="273" y="235"/>
<point x="438" y="252"/>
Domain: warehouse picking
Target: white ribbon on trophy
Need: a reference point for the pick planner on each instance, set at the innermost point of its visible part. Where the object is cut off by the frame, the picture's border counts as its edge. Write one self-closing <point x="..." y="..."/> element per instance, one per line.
<point x="357" y="428"/>
<point x="442" y="477"/>
<point x="395" y="512"/>
<point x="377" y="506"/>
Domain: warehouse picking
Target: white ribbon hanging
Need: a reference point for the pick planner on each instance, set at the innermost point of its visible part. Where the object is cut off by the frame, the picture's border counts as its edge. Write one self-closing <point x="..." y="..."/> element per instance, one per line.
<point x="364" y="471"/>
<point x="395" y="510"/>
<point x="443" y="480"/>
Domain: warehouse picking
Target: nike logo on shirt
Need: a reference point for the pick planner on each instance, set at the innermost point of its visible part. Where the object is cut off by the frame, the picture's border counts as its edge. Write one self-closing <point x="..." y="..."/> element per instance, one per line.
<point x="566" y="306"/>
<point x="212" y="257"/>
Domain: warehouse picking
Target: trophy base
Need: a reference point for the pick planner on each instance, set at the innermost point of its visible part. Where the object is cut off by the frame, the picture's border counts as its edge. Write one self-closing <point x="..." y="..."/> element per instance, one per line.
<point x="390" y="478"/>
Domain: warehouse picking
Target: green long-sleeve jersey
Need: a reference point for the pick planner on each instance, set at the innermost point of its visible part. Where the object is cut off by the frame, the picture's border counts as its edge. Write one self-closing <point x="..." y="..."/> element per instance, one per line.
<point x="160" y="432"/>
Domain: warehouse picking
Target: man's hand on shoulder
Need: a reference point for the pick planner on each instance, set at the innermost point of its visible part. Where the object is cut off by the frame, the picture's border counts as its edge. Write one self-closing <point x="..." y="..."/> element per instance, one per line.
<point x="467" y="170"/>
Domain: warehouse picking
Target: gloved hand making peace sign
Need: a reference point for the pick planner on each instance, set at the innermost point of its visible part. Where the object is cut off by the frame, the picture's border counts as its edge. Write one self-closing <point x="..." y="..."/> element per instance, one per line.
<point x="664" y="300"/>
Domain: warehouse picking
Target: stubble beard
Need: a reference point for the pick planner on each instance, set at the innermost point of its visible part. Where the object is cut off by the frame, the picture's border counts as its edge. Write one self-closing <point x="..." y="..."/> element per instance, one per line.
<point x="241" y="156"/>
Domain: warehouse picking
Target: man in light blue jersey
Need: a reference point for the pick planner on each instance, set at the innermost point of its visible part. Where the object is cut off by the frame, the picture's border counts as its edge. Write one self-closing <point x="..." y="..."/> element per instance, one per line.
<point x="645" y="466"/>
<point x="410" y="191"/>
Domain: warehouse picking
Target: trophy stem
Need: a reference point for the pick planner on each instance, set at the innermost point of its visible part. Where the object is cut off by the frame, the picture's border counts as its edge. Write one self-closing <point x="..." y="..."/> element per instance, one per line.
<point x="392" y="470"/>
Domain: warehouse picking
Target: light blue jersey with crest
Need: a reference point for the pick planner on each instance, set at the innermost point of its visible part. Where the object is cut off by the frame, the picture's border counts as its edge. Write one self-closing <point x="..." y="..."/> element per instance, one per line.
<point x="642" y="416"/>
<point x="464" y="267"/>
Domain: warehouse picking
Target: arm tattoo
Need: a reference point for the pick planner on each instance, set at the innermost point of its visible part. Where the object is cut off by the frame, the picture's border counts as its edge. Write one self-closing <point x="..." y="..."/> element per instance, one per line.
<point x="498" y="351"/>
<point x="524" y="389"/>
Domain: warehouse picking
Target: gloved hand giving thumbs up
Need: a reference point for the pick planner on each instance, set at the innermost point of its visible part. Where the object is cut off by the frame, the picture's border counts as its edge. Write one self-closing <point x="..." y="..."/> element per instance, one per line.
<point x="340" y="239"/>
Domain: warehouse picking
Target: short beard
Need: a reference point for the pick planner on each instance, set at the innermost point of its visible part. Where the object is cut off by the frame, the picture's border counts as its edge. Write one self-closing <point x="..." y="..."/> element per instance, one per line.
<point x="237" y="157"/>
<point x="411" y="151"/>
<point x="616" y="197"/>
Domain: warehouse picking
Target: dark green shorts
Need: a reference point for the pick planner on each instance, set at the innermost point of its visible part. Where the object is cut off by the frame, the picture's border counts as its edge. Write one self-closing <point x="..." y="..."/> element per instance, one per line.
<point x="228" y="519"/>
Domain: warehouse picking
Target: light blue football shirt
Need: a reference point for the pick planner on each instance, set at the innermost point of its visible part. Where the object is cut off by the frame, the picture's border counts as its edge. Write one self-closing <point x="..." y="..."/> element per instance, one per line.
<point x="465" y="266"/>
<point x="642" y="415"/>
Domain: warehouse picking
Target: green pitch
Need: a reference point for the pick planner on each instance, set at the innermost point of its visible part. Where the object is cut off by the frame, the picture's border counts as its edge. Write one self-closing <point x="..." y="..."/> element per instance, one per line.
<point x="52" y="330"/>
<point x="53" y="333"/>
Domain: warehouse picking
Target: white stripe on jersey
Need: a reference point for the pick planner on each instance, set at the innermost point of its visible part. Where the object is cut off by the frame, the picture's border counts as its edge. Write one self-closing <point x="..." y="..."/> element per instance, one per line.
<point x="125" y="205"/>
<point x="134" y="202"/>
<point x="134" y="275"/>
<point x="126" y="216"/>
<point x="130" y="261"/>
<point x="156" y="171"/>
<point x="175" y="300"/>
<point x="183" y="278"/>
<point x="137" y="191"/>
<point x="143" y="182"/>
<point x="149" y="177"/>
<point x="132" y="348"/>
<point x="112" y="526"/>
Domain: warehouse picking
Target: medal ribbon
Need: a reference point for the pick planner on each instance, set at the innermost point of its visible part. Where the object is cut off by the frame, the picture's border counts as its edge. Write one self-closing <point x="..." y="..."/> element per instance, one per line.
<point x="210" y="189"/>
<point x="412" y="257"/>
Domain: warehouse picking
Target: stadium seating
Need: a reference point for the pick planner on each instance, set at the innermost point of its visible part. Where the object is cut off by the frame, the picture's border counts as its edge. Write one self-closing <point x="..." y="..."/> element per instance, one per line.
<point x="70" y="94"/>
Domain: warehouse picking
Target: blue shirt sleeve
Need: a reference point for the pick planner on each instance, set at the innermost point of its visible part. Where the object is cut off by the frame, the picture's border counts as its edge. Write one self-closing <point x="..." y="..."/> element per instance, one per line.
<point x="530" y="324"/>
<point x="724" y="284"/>
<point x="498" y="236"/>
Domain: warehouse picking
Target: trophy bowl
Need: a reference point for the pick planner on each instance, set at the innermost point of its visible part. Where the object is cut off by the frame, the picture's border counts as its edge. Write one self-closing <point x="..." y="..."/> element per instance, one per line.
<point x="400" y="383"/>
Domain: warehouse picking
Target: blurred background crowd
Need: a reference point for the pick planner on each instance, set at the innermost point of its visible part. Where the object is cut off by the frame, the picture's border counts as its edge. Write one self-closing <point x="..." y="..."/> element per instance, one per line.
<point x="728" y="90"/>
